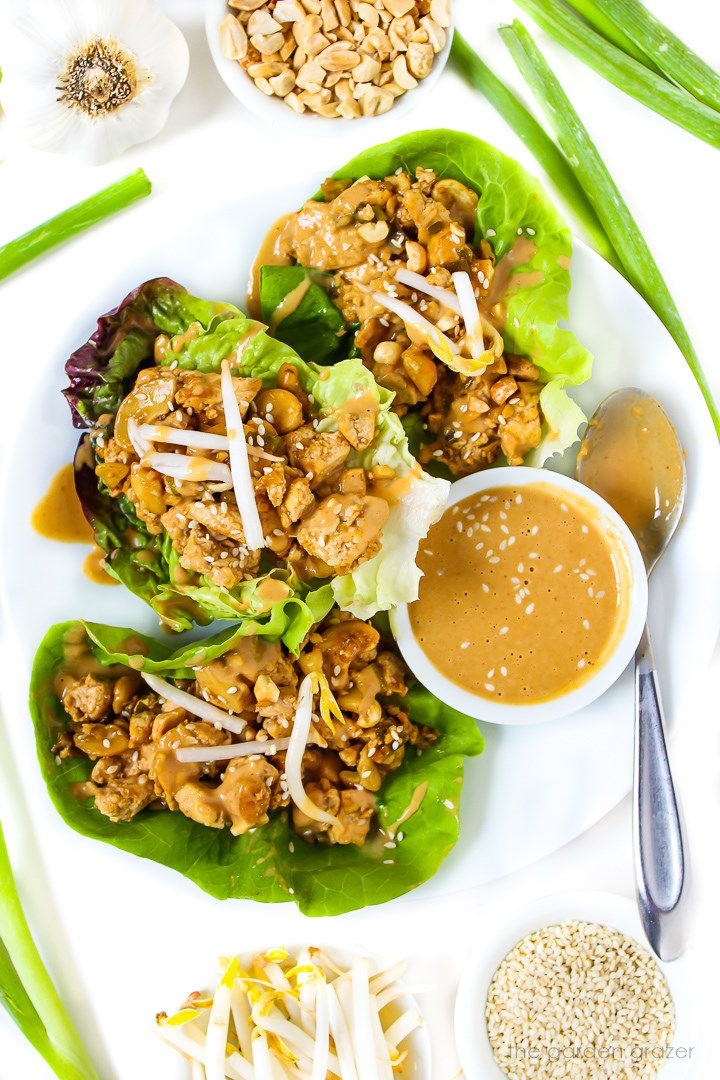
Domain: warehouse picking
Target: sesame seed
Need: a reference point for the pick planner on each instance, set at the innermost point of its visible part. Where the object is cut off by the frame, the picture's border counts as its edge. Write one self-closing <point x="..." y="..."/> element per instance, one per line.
<point x="465" y="645"/>
<point x="529" y="609"/>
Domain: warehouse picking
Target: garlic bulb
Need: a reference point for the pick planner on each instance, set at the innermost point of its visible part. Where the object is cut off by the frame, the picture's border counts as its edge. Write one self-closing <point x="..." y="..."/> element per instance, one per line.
<point x="90" y="77"/>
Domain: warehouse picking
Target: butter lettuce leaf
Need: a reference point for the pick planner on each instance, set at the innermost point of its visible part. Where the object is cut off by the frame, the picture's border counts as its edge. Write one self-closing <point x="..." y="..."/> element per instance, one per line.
<point x="103" y="371"/>
<point x="512" y="205"/>
<point x="390" y="577"/>
<point x="271" y="864"/>
<point x="315" y="329"/>
<point x="563" y="419"/>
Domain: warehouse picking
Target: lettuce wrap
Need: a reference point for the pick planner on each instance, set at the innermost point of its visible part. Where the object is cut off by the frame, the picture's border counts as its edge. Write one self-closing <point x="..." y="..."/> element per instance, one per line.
<point x="270" y="863"/>
<point x="512" y="203"/>
<point x="201" y="335"/>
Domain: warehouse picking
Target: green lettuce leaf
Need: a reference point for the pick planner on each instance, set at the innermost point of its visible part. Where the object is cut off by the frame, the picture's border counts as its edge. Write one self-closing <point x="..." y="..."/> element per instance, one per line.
<point x="315" y="329"/>
<point x="390" y="574"/>
<point x="103" y="372"/>
<point x="271" y="864"/>
<point x="511" y="201"/>
<point x="563" y="418"/>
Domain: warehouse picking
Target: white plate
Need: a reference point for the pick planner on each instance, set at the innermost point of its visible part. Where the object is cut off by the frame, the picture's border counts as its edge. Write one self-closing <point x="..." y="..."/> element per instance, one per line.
<point x="506" y="929"/>
<point x="530" y="793"/>
<point x="532" y="790"/>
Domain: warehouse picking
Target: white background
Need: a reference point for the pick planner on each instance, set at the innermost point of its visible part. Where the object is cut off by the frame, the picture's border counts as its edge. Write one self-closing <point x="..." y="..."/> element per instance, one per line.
<point x="210" y="146"/>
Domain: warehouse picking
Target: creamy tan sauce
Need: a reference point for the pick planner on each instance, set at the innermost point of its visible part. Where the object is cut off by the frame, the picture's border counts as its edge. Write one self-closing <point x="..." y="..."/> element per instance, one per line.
<point x="59" y="516"/>
<point x="79" y="661"/>
<point x="525" y="593"/>
<point x="272" y="252"/>
<point x="412" y="808"/>
<point x="290" y="304"/>
<point x="396" y="488"/>
<point x="520" y="254"/>
<point x="94" y="568"/>
<point x="363" y="405"/>
<point x="271" y="591"/>
<point x="168" y="609"/>
<point x="631" y="456"/>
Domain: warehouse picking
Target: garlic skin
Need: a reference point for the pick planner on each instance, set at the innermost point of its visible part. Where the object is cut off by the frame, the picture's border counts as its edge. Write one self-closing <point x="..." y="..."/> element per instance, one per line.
<point x="90" y="77"/>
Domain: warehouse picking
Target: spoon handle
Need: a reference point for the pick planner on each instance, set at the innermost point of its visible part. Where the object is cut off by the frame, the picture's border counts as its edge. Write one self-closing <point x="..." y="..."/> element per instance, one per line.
<point x="659" y="848"/>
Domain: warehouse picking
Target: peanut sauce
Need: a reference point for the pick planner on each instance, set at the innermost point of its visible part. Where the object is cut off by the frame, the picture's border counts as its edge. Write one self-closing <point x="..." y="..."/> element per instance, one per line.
<point x="272" y="252"/>
<point x="632" y="457"/>
<point x="290" y="304"/>
<point x="59" y="516"/>
<point x="525" y="594"/>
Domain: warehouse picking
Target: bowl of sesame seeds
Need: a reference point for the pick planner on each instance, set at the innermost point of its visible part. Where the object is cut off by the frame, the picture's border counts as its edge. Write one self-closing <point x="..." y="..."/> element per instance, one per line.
<point x="532" y="601"/>
<point x="565" y="987"/>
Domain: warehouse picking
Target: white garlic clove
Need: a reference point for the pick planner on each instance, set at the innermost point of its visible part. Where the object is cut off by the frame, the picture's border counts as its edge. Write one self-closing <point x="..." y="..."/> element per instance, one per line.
<point x="91" y="79"/>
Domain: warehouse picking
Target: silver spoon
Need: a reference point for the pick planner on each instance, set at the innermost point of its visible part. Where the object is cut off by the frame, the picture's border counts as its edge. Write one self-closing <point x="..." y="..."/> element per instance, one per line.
<point x="631" y="455"/>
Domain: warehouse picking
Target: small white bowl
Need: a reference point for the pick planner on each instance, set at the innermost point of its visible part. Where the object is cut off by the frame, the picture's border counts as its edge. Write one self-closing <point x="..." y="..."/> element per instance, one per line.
<point x="502" y="930"/>
<point x="497" y="712"/>
<point x="273" y="110"/>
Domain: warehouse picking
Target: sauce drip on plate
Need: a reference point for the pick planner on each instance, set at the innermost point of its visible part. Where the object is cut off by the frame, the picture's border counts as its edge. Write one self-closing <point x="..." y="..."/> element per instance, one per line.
<point x="525" y="593"/>
<point x="270" y="253"/>
<point x="59" y="516"/>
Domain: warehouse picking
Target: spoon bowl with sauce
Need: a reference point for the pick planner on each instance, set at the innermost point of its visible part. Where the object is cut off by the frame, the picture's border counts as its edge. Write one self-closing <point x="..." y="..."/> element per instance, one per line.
<point x="532" y="602"/>
<point x="632" y="456"/>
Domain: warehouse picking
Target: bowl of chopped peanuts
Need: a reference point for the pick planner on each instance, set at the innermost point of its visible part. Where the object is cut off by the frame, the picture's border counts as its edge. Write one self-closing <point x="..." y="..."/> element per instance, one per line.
<point x="329" y="60"/>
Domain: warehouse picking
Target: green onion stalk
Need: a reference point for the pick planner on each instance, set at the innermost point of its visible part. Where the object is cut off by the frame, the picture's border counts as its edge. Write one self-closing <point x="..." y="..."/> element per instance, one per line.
<point x="629" y="25"/>
<point x="69" y="223"/>
<point x="538" y="142"/>
<point x="27" y="992"/>
<point x="622" y="230"/>
<point x="628" y="74"/>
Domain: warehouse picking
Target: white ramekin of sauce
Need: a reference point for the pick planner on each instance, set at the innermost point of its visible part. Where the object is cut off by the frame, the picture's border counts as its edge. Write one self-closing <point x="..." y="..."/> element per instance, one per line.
<point x="533" y="598"/>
